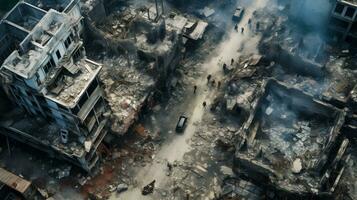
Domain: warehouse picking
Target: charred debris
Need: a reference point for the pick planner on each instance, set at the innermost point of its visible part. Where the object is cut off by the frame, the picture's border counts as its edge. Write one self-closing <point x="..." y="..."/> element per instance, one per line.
<point x="78" y="77"/>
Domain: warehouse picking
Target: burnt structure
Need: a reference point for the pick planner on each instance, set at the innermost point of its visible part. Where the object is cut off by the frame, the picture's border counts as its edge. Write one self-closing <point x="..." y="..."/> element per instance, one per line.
<point x="291" y="142"/>
<point x="44" y="71"/>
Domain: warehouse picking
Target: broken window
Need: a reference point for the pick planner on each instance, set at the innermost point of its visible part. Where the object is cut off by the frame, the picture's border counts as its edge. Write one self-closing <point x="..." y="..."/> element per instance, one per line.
<point x="49" y="66"/>
<point x="350" y="12"/>
<point x="38" y="80"/>
<point x="98" y="108"/>
<point x="58" y="54"/>
<point x="75" y="110"/>
<point x="77" y="55"/>
<point x="83" y="99"/>
<point x="92" y="87"/>
<point x="90" y="120"/>
<point x="68" y="41"/>
<point x="94" y="129"/>
<point x="339" y="8"/>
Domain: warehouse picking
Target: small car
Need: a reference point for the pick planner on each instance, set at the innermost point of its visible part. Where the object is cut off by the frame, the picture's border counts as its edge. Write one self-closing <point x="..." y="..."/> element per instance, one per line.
<point x="181" y="124"/>
<point x="238" y="14"/>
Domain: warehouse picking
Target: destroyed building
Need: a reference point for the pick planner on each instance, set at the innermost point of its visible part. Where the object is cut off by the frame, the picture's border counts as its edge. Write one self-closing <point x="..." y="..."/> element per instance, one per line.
<point x="269" y="102"/>
<point x="292" y="142"/>
<point x="60" y="107"/>
<point x="151" y="41"/>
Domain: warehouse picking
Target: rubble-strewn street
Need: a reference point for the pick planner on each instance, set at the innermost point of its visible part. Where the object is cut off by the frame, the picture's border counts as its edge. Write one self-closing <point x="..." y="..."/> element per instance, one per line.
<point x="178" y="99"/>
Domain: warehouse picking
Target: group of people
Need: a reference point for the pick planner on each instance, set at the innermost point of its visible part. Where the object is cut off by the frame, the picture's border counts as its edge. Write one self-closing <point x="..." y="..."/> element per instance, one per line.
<point x="257" y="26"/>
<point x="210" y="81"/>
<point x="148" y="189"/>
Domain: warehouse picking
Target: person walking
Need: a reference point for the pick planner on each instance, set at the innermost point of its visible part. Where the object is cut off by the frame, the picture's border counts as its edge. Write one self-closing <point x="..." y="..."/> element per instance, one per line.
<point x="213" y="83"/>
<point x="250" y="23"/>
<point x="209" y="78"/>
<point x="194" y="89"/>
<point x="224" y="66"/>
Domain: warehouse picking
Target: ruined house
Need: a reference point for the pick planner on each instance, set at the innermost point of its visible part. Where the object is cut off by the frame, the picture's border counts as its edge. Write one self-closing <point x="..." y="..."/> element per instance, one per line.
<point x="60" y="107"/>
<point x="292" y="143"/>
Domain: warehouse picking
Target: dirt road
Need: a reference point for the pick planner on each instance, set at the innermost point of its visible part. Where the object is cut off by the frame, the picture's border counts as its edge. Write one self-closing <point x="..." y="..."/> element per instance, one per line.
<point x="174" y="149"/>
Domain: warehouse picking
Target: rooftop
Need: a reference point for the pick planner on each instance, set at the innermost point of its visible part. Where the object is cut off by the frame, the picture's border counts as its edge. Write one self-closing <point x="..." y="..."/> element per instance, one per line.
<point x="67" y="88"/>
<point x="34" y="48"/>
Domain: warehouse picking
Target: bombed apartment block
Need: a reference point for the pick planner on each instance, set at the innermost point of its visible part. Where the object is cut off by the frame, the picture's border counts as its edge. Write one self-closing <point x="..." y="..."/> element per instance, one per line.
<point x="343" y="20"/>
<point x="292" y="143"/>
<point x="59" y="101"/>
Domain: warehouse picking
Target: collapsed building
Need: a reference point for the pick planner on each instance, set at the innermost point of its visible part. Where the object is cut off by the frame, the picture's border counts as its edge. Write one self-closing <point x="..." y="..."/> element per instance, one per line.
<point x="292" y="142"/>
<point x="299" y="135"/>
<point x="60" y="107"/>
<point x="151" y="41"/>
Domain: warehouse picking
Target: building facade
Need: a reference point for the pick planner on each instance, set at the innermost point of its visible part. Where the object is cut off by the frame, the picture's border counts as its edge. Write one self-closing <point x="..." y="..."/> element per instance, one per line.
<point x="343" y="20"/>
<point x="45" y="72"/>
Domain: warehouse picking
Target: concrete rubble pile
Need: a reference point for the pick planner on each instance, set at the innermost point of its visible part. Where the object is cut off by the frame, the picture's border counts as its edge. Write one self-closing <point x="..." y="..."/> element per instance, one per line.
<point x="281" y="147"/>
<point x="303" y="59"/>
<point x="280" y="151"/>
<point x="152" y="46"/>
<point x="127" y="90"/>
